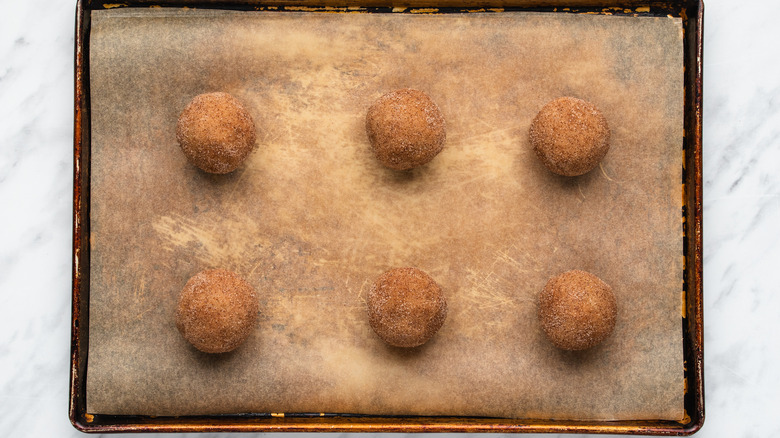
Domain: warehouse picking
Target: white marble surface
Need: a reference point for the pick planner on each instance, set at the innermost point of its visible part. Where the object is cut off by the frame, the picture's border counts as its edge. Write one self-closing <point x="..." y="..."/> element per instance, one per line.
<point x="741" y="207"/>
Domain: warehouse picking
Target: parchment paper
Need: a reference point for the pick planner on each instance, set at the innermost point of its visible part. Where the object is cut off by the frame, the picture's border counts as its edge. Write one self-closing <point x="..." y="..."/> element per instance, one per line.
<point x="311" y="219"/>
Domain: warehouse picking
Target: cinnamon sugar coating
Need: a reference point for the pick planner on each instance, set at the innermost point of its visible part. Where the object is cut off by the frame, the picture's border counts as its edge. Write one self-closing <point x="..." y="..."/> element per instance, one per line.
<point x="217" y="311"/>
<point x="406" y="307"/>
<point x="405" y="128"/>
<point x="570" y="136"/>
<point x="216" y="132"/>
<point x="577" y="310"/>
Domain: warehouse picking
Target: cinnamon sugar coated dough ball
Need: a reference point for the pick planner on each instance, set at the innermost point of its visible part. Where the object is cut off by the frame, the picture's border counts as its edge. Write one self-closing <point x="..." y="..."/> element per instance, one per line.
<point x="405" y="128"/>
<point x="217" y="311"/>
<point x="570" y="136"/>
<point x="216" y="132"/>
<point x="406" y="307"/>
<point x="577" y="310"/>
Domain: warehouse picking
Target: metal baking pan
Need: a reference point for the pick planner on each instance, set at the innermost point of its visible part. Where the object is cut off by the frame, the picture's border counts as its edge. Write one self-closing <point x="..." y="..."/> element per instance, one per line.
<point x="691" y="13"/>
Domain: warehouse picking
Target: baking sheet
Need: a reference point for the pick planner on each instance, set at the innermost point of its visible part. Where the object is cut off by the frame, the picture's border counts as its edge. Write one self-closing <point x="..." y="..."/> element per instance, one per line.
<point x="312" y="219"/>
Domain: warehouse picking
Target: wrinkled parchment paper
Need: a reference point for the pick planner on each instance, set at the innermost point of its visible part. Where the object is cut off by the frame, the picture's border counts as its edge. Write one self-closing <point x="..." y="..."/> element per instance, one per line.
<point x="311" y="219"/>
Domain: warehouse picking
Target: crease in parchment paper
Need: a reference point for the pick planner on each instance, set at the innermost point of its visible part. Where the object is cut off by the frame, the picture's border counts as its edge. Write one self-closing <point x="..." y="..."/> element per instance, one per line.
<point x="311" y="218"/>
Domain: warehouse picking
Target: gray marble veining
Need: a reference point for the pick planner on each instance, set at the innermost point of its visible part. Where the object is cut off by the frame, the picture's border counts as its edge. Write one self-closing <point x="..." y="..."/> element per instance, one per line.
<point x="741" y="207"/>
<point x="36" y="52"/>
<point x="741" y="211"/>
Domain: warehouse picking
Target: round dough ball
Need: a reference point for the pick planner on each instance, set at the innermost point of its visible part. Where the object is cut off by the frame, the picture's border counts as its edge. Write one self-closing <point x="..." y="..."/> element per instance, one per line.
<point x="577" y="310"/>
<point x="406" y="307"/>
<point x="405" y="129"/>
<point x="216" y="132"/>
<point x="570" y="136"/>
<point x="217" y="311"/>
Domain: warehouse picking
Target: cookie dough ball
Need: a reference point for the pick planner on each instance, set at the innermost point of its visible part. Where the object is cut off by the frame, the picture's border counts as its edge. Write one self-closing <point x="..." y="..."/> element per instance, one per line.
<point x="406" y="307"/>
<point x="405" y="129"/>
<point x="570" y="136"/>
<point x="216" y="132"/>
<point x="217" y="311"/>
<point x="577" y="310"/>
